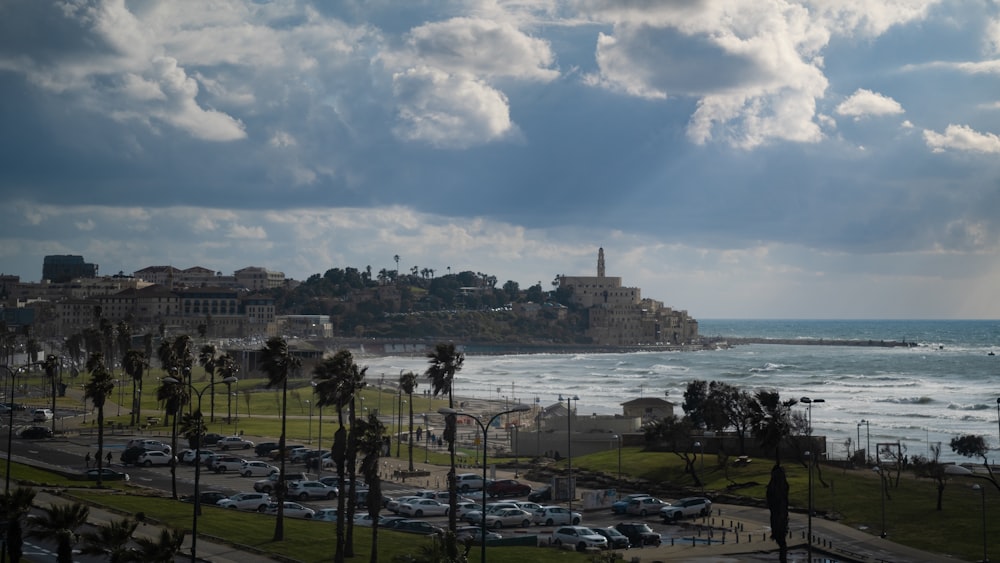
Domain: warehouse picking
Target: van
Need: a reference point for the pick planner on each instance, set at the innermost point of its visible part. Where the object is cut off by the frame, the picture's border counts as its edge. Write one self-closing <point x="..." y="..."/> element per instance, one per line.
<point x="41" y="415"/>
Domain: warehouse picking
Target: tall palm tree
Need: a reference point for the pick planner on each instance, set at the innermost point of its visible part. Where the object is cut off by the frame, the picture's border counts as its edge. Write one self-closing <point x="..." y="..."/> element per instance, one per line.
<point x="59" y="522"/>
<point x="134" y="363"/>
<point x="371" y="438"/>
<point x="111" y="540"/>
<point x="278" y="363"/>
<point x="208" y="358"/>
<point x="445" y="362"/>
<point x="408" y="383"/>
<point x="97" y="389"/>
<point x="15" y="505"/>
<point x="51" y="366"/>
<point x="338" y="380"/>
<point x="173" y="397"/>
<point x="227" y="366"/>
<point x="162" y="549"/>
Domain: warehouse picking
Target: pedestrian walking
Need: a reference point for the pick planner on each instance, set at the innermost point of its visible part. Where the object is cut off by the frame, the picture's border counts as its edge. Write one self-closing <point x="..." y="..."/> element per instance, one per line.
<point x="86" y="459"/>
<point x="109" y="458"/>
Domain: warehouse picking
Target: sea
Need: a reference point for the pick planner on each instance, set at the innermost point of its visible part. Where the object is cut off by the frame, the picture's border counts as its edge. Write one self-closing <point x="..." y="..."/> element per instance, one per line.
<point x="945" y="385"/>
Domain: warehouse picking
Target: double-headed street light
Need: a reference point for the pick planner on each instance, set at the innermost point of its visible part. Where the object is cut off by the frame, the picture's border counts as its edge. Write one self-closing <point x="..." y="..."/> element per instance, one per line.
<point x="485" y="428"/>
<point x="197" y="449"/>
<point x="812" y="461"/>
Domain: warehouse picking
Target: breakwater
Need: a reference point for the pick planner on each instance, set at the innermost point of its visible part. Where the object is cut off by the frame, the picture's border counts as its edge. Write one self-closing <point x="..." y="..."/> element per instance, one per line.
<point x="817" y="342"/>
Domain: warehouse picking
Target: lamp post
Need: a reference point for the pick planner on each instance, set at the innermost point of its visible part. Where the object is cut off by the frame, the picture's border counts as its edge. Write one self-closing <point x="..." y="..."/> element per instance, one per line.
<point x="812" y="461"/>
<point x="197" y="449"/>
<point x="569" y="446"/>
<point x="998" y="411"/>
<point x="881" y="484"/>
<point x="427" y="436"/>
<point x="485" y="428"/>
<point x="10" y="427"/>
<point x="618" y="438"/>
<point x="868" y="435"/>
<point x="982" y="491"/>
<point x="310" y="439"/>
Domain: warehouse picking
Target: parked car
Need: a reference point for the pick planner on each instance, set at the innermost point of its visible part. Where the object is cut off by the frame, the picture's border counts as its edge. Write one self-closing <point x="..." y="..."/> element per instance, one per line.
<point x="298" y="455"/>
<point x="223" y="463"/>
<point x="190" y="456"/>
<point x="257" y="469"/>
<point x="508" y="517"/>
<point x="541" y="494"/>
<point x="152" y="445"/>
<point x="234" y="443"/>
<point x="556" y="516"/>
<point x="365" y="520"/>
<point x="42" y="415"/>
<point x="474" y="516"/>
<point x="130" y="456"/>
<point x="466" y="482"/>
<point x="210" y="439"/>
<point x="395" y="504"/>
<point x="689" y="507"/>
<point x="507" y="488"/>
<point x="276" y="453"/>
<point x="464" y="507"/>
<point x="106" y="475"/>
<point x="326" y="514"/>
<point x="246" y="501"/>
<point x="36" y="432"/>
<point x="579" y="537"/>
<point x="267" y="485"/>
<point x="420" y="507"/>
<point x="529" y="506"/>
<point x="292" y="509"/>
<point x="638" y="533"/>
<point x="645" y="506"/>
<point x="304" y="490"/>
<point x="207" y="498"/>
<point x="264" y="448"/>
<point x="472" y="533"/>
<point x="620" y="506"/>
<point x="616" y="539"/>
<point x="416" y="527"/>
<point x="151" y="458"/>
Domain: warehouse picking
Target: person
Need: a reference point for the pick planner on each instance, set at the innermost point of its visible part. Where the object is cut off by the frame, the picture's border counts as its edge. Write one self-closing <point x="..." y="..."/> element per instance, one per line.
<point x="109" y="458"/>
<point x="86" y="459"/>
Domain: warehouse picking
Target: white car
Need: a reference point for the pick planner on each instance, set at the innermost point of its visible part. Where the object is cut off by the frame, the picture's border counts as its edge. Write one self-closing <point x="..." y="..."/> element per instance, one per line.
<point x="508" y="517"/>
<point x="326" y="515"/>
<point x="149" y="445"/>
<point x="304" y="490"/>
<point x="466" y="482"/>
<point x="188" y="456"/>
<point x="474" y="516"/>
<point x="394" y="504"/>
<point x="151" y="458"/>
<point x="423" y="507"/>
<point x="223" y="463"/>
<point x="645" y="506"/>
<point x="556" y="516"/>
<point x="246" y="501"/>
<point x="529" y="506"/>
<point x="292" y="509"/>
<point x="579" y="537"/>
<point x="234" y="443"/>
<point x="465" y="507"/>
<point x="257" y="469"/>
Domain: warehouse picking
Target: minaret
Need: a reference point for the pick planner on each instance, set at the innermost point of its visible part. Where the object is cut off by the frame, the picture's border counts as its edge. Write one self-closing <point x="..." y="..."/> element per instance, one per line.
<point x="600" y="262"/>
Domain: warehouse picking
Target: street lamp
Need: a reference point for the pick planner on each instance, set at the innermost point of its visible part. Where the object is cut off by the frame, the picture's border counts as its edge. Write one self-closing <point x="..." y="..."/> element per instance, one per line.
<point x="10" y="427"/>
<point x="982" y="491"/>
<point x="812" y="461"/>
<point x="427" y="436"/>
<point x="485" y="428"/>
<point x="309" y="404"/>
<point x="881" y="485"/>
<point x="569" y="446"/>
<point x="618" y="438"/>
<point x="998" y="411"/>
<point x="197" y="449"/>
<point x="868" y="435"/>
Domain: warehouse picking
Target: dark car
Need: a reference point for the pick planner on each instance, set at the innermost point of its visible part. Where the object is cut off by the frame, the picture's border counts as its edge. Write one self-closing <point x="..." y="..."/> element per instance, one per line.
<point x="507" y="488"/>
<point x="36" y="432"/>
<point x="207" y="497"/>
<point x="416" y="527"/>
<point x="264" y="448"/>
<point x="130" y="456"/>
<point x="541" y="494"/>
<point x="210" y="439"/>
<point x="638" y="533"/>
<point x="106" y="475"/>
<point x="616" y="539"/>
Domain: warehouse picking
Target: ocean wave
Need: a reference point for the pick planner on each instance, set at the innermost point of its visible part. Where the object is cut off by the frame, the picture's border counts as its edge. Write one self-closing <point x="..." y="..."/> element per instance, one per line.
<point x="769" y="367"/>
<point x="968" y="407"/>
<point x="907" y="400"/>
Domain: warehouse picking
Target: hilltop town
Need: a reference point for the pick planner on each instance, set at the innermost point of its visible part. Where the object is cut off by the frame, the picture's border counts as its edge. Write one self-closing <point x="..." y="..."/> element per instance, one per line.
<point x="348" y="303"/>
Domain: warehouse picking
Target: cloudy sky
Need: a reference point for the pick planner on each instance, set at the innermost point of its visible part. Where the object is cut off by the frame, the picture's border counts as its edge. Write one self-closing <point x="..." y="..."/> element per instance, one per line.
<point x="761" y="159"/>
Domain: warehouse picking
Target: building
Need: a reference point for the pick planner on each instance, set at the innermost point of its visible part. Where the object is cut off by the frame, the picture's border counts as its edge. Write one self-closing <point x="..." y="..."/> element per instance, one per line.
<point x="61" y="268"/>
<point x="256" y="278"/>
<point x="619" y="316"/>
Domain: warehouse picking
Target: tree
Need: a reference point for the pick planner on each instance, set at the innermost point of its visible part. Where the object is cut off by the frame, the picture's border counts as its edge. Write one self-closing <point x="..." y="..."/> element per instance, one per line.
<point x="173" y="397"/>
<point x="771" y="423"/>
<point x="97" y="389"/>
<point x="445" y="362"/>
<point x="59" y="522"/>
<point x="729" y="407"/>
<point x="111" y="540"/>
<point x="15" y="505"/>
<point x="52" y="366"/>
<point x="973" y="445"/>
<point x="371" y="437"/>
<point x="676" y="434"/>
<point x="696" y="402"/>
<point x="933" y="469"/>
<point x="209" y="360"/>
<point x="408" y="383"/>
<point x="278" y="363"/>
<point x="227" y="366"/>
<point x="135" y="364"/>
<point x="161" y="550"/>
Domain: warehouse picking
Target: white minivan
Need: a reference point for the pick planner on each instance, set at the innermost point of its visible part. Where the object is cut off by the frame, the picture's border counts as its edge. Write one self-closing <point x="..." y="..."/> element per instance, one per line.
<point x="42" y="415"/>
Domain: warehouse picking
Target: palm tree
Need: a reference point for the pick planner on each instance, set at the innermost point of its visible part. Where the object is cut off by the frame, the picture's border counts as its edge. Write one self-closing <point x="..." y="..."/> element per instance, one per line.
<point x="111" y="540"/>
<point x="445" y="362"/>
<point x="208" y="360"/>
<point x="227" y="366"/>
<point x="173" y="397"/>
<point x="771" y="422"/>
<point x="371" y="439"/>
<point x="16" y="505"/>
<point x="162" y="550"/>
<point x="59" y="522"/>
<point x="134" y="363"/>
<point x="338" y="380"/>
<point x="278" y="363"/>
<point x="97" y="389"/>
<point x="408" y="383"/>
<point x="51" y="366"/>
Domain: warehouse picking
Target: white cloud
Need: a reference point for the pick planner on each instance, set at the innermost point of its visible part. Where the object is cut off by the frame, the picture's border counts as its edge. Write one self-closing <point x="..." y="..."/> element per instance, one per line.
<point x="962" y="138"/>
<point x="865" y="103"/>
